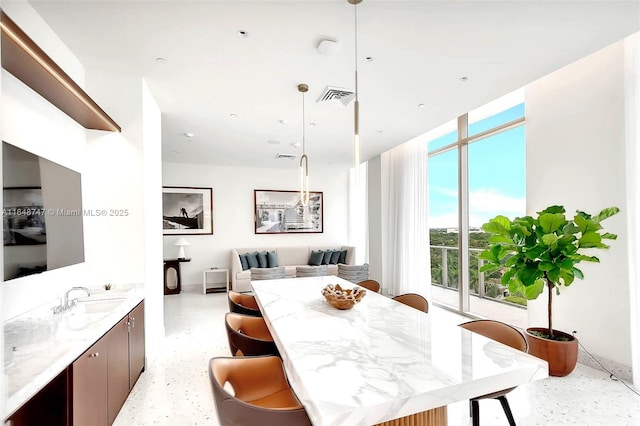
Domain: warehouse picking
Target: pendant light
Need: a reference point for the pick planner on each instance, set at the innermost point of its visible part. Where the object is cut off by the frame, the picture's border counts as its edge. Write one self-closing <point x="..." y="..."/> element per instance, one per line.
<point x="304" y="169"/>
<point x="356" y="105"/>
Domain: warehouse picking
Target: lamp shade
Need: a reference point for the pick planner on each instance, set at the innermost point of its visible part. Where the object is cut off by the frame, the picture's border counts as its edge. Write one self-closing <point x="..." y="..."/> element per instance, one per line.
<point x="181" y="242"/>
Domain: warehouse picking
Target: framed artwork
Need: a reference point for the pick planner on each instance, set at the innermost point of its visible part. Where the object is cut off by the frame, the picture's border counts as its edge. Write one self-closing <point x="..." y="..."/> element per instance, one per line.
<point x="281" y="212"/>
<point x="187" y="210"/>
<point x="23" y="217"/>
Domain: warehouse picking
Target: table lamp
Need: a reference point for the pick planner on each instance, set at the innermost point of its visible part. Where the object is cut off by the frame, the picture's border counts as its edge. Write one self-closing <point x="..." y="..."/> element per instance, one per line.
<point x="181" y="242"/>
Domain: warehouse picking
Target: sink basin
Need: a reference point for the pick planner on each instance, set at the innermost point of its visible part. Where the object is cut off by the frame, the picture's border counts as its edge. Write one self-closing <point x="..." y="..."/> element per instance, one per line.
<point x="87" y="313"/>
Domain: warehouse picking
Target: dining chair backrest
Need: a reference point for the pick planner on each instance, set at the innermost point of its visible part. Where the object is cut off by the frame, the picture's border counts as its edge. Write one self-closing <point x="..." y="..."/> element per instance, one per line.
<point x="262" y="395"/>
<point x="414" y="300"/>
<point x="243" y="304"/>
<point x="499" y="332"/>
<point x="372" y="285"/>
<point x="248" y="335"/>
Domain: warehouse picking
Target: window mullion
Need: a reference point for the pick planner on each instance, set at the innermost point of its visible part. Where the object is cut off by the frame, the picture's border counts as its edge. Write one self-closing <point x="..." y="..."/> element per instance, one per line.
<point x="463" y="213"/>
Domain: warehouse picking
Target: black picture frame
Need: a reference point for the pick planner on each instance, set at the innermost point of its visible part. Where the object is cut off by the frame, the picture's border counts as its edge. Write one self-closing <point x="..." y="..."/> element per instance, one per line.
<point x="187" y="210"/>
<point x="281" y="212"/>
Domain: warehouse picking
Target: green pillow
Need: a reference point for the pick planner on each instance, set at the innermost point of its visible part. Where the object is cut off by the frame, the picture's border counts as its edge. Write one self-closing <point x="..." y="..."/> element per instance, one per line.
<point x="252" y="259"/>
<point x="244" y="262"/>
<point x="326" y="257"/>
<point x="262" y="259"/>
<point x="272" y="259"/>
<point x="315" y="259"/>
<point x="343" y="256"/>
<point x="335" y="255"/>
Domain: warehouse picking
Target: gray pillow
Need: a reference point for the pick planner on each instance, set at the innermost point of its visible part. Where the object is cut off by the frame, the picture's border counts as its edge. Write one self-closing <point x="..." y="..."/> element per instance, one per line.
<point x="262" y="259"/>
<point x="244" y="262"/>
<point x="272" y="259"/>
<point x="252" y="259"/>
<point x="335" y="255"/>
<point x="343" y="256"/>
<point x="315" y="259"/>
<point x="326" y="257"/>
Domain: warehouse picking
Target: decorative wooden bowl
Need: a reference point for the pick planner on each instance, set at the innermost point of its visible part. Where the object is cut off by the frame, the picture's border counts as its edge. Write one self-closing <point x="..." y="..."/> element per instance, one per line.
<point x="341" y="298"/>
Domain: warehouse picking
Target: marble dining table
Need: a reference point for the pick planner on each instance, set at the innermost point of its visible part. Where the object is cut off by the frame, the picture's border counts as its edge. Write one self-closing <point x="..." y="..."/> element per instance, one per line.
<point x="381" y="360"/>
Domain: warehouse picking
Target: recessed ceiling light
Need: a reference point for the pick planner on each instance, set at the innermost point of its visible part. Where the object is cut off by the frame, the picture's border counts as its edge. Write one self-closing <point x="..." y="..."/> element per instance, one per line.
<point x="273" y="142"/>
<point x="161" y="60"/>
<point x="283" y="121"/>
<point x="369" y="58"/>
<point x="243" y="34"/>
<point x="232" y="115"/>
<point x="463" y="78"/>
<point x="176" y="152"/>
<point x="421" y="105"/>
<point x="295" y="144"/>
<point x="312" y="124"/>
<point x="379" y="131"/>
<point x="189" y="134"/>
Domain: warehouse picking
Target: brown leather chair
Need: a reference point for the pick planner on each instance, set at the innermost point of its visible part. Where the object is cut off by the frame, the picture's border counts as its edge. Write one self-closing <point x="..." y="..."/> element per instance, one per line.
<point x="372" y="285"/>
<point x="414" y="300"/>
<point x="262" y="394"/>
<point x="504" y="334"/>
<point x="243" y="304"/>
<point x="248" y="335"/>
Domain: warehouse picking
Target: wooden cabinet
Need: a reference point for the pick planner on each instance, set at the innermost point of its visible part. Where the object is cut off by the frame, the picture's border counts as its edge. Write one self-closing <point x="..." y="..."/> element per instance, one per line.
<point x="89" y="384"/>
<point x="136" y="344"/>
<point x="117" y="368"/>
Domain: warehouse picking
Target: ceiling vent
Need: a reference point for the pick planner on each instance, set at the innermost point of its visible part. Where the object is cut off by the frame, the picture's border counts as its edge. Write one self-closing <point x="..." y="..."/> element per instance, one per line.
<point x="330" y="93"/>
<point x="286" y="156"/>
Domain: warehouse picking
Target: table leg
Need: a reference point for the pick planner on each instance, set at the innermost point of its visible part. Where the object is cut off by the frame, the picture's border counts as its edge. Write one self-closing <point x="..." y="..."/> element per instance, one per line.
<point x="434" y="417"/>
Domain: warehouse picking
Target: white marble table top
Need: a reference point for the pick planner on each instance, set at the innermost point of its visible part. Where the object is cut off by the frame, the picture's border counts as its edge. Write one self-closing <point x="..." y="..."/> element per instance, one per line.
<point x="381" y="360"/>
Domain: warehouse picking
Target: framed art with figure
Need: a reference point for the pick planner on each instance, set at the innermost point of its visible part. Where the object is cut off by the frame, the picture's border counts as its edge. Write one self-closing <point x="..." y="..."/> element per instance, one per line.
<point x="187" y="210"/>
<point x="282" y="212"/>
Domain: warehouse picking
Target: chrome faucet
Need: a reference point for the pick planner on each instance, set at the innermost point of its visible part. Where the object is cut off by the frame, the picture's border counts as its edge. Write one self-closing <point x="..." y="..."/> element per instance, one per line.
<point x="68" y="304"/>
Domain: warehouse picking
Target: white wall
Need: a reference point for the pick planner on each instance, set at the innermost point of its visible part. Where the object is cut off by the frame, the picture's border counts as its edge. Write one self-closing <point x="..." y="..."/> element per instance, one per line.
<point x="575" y="134"/>
<point x="233" y="208"/>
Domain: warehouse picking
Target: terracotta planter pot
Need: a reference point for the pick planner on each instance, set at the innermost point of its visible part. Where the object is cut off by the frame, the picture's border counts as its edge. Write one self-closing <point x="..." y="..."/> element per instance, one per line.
<point x="561" y="356"/>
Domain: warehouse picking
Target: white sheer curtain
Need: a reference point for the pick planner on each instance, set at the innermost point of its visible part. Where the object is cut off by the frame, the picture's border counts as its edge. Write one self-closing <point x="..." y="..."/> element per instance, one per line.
<point x="406" y="263"/>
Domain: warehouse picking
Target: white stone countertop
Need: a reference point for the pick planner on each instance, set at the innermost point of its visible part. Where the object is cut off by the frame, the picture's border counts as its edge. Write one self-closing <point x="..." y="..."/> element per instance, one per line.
<point x="381" y="360"/>
<point x="40" y="345"/>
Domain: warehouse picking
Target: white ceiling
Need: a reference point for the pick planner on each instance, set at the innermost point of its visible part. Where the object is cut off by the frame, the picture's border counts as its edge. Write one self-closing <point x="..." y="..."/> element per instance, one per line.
<point x="420" y="50"/>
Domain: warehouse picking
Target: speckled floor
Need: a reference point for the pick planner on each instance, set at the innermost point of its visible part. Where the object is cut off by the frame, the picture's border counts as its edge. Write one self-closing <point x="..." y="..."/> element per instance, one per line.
<point x="175" y="388"/>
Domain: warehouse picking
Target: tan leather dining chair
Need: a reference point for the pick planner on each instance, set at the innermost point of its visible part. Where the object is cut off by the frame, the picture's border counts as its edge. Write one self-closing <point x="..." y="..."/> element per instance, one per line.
<point x="248" y="335"/>
<point x="414" y="300"/>
<point x="262" y="396"/>
<point x="372" y="285"/>
<point x="243" y="304"/>
<point x="506" y="335"/>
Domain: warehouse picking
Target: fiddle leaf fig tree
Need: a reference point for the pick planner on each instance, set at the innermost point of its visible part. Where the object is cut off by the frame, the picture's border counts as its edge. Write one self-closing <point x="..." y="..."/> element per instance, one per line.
<point x="534" y="252"/>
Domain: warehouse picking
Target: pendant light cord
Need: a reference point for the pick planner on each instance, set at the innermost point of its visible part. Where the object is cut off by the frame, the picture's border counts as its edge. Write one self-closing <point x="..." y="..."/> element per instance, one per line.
<point x="355" y="18"/>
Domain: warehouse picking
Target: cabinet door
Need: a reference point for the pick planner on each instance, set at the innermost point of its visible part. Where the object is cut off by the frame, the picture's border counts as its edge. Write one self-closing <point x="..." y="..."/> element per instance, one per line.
<point x="90" y="386"/>
<point x="136" y="343"/>
<point x="118" y="368"/>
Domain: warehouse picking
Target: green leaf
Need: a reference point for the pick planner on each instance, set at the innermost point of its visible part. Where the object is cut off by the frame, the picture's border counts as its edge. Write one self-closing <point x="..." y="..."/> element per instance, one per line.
<point x="488" y="255"/>
<point x="529" y="274"/>
<point x="566" y="264"/>
<point x="578" y="273"/>
<point x="580" y="257"/>
<point x="554" y="275"/>
<point x="590" y="239"/>
<point x="550" y="239"/>
<point x="553" y="210"/>
<point x="546" y="266"/>
<point x="507" y="276"/>
<point x="500" y="239"/>
<point x="533" y="291"/>
<point x="499" y="225"/>
<point x="490" y="267"/>
<point x="550" y="222"/>
<point x="570" y="228"/>
<point x="606" y="213"/>
<point x="609" y="236"/>
<point x="534" y="252"/>
<point x="567" y="277"/>
<point x="586" y="224"/>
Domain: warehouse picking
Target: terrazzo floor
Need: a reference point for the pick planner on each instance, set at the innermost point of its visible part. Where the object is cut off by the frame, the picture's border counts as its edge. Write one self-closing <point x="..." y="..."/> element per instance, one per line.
<point x="175" y="390"/>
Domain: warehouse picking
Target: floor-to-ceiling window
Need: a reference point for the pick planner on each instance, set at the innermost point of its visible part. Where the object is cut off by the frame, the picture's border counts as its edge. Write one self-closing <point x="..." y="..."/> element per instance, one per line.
<point x="476" y="171"/>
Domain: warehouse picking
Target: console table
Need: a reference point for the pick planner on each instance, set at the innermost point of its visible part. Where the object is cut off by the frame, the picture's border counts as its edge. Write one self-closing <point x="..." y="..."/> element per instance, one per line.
<point x="172" y="275"/>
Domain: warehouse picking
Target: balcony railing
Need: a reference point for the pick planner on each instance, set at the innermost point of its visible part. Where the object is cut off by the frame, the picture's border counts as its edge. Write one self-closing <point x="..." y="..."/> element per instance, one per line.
<point x="444" y="273"/>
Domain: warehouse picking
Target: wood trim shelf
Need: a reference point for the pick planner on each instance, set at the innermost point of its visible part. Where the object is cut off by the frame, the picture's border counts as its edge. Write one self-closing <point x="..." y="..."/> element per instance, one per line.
<point x="22" y="57"/>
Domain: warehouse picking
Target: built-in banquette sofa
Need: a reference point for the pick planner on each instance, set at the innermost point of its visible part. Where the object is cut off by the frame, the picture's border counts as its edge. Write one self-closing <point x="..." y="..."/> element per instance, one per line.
<point x="289" y="257"/>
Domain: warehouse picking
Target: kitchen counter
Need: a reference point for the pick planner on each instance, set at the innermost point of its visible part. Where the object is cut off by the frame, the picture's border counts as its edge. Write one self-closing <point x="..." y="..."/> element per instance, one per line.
<point x="39" y="345"/>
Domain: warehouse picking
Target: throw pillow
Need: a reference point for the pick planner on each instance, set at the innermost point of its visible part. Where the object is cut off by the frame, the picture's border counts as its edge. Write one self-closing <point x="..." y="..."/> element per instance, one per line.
<point x="335" y="255"/>
<point x="262" y="259"/>
<point x="272" y="259"/>
<point x="252" y="259"/>
<point x="326" y="258"/>
<point x="244" y="262"/>
<point x="343" y="256"/>
<point x="315" y="259"/>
